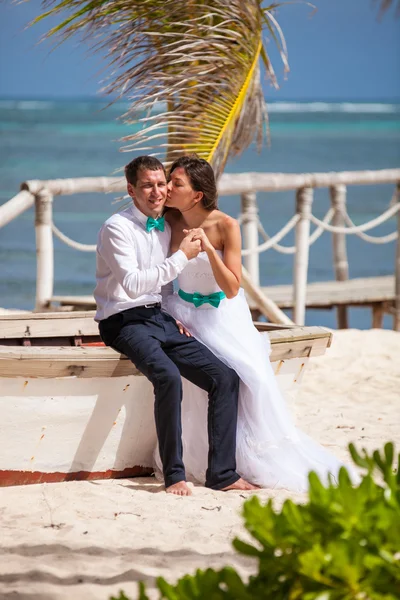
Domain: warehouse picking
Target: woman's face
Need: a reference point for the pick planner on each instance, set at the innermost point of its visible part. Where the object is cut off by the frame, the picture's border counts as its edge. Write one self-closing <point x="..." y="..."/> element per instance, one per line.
<point x="181" y="195"/>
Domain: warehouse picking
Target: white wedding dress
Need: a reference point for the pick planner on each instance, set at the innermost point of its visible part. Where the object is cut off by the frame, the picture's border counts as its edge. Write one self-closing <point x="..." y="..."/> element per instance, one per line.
<point x="270" y="450"/>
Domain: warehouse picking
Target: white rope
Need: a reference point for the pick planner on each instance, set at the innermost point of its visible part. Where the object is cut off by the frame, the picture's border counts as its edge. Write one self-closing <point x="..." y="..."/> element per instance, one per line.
<point x="311" y="240"/>
<point x="276" y="238"/>
<point x="360" y="228"/>
<point x="320" y="229"/>
<point x="372" y="239"/>
<point x="277" y="247"/>
<point x="76" y="245"/>
<point x="272" y="243"/>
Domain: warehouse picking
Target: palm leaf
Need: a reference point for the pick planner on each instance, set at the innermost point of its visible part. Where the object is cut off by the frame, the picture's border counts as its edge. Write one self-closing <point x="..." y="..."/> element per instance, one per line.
<point x="190" y="67"/>
<point x="384" y="5"/>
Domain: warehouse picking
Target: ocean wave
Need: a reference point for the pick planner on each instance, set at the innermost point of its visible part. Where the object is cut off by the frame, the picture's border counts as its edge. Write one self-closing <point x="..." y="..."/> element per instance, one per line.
<point x="333" y="107"/>
<point x="122" y="106"/>
<point x="26" y="104"/>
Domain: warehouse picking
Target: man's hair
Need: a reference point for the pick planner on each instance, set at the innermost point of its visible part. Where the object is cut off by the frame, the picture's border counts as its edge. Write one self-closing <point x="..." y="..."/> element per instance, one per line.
<point x="201" y="177"/>
<point x="142" y="162"/>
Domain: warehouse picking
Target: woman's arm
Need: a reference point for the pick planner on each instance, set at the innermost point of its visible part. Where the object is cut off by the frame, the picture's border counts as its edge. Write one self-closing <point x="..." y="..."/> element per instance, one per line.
<point x="227" y="272"/>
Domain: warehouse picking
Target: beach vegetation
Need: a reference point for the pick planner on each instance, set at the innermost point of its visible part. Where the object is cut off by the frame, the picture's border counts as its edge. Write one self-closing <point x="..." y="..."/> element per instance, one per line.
<point x="342" y="544"/>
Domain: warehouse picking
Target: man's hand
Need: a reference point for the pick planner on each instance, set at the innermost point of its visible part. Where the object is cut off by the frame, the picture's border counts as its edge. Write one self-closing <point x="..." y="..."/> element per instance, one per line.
<point x="200" y="234"/>
<point x="190" y="246"/>
<point x="182" y="329"/>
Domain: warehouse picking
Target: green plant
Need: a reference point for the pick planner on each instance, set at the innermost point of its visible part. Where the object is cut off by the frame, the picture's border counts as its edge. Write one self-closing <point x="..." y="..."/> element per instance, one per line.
<point x="344" y="543"/>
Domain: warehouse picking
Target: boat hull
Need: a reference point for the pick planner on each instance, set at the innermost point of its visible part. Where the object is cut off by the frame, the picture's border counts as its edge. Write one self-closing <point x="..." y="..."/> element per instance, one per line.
<point x="64" y="428"/>
<point x="72" y="408"/>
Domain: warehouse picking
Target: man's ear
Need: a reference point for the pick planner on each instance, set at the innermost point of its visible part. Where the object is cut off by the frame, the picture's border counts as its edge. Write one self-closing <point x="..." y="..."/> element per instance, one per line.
<point x="130" y="190"/>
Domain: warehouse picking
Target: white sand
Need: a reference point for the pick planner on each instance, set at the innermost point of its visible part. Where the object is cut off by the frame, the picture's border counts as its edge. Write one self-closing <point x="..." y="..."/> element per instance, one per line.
<point x="88" y="540"/>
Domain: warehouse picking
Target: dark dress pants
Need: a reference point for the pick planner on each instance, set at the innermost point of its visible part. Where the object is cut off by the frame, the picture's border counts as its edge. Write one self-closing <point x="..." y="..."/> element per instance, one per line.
<point x="151" y="340"/>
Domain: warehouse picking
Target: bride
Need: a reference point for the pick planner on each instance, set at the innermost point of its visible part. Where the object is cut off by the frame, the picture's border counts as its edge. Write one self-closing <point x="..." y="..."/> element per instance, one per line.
<point x="270" y="451"/>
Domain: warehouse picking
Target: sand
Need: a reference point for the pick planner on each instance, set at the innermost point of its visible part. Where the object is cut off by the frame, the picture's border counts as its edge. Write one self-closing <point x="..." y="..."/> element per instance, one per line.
<point x="88" y="540"/>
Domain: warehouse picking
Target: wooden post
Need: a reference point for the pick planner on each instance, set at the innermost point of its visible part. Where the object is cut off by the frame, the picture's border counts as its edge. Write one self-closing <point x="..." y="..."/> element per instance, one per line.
<point x="44" y="249"/>
<point x="396" y="324"/>
<point x="378" y="313"/>
<point x="341" y="265"/>
<point x="267" y="307"/>
<point x="250" y="235"/>
<point x="304" y="198"/>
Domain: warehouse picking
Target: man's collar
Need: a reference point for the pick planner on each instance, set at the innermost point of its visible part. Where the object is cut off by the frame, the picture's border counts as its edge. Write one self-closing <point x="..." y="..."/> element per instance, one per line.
<point x="139" y="216"/>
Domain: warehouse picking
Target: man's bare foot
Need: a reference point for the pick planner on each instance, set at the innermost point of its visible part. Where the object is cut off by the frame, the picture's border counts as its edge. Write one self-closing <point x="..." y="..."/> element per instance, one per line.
<point x="242" y="485"/>
<point x="179" y="489"/>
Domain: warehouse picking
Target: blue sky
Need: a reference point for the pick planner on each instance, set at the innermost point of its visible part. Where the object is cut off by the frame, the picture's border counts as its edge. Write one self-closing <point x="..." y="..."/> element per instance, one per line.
<point x="341" y="52"/>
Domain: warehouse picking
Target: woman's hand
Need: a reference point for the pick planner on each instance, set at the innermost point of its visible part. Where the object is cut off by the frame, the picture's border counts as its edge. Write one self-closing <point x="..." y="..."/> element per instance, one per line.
<point x="199" y="234"/>
<point x="182" y="329"/>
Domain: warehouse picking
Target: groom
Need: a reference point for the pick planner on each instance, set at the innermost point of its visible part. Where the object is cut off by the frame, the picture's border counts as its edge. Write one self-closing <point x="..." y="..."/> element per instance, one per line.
<point x="132" y="266"/>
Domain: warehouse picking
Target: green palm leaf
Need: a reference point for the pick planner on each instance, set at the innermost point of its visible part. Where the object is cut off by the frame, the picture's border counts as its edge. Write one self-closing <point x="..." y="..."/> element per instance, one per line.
<point x="190" y="67"/>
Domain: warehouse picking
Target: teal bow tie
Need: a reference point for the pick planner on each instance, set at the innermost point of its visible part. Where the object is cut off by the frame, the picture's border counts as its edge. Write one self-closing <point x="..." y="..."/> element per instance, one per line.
<point x="198" y="299"/>
<point x="155" y="224"/>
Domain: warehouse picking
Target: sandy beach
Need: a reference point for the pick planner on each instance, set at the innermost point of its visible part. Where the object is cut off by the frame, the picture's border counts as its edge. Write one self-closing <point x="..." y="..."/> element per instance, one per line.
<point x="88" y="540"/>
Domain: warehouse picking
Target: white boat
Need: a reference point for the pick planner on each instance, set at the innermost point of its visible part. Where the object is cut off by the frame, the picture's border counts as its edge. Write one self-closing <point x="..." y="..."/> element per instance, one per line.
<point x="72" y="408"/>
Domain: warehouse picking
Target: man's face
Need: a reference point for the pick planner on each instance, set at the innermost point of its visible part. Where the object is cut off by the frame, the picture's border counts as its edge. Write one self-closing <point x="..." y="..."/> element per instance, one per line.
<point x="150" y="192"/>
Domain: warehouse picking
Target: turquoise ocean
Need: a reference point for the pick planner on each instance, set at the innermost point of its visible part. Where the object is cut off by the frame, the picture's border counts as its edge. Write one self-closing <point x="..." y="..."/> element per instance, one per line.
<point x="46" y="139"/>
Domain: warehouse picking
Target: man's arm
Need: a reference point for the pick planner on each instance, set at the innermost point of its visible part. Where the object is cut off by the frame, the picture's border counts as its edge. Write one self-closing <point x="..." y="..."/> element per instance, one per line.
<point x="121" y="258"/>
<point x="166" y="290"/>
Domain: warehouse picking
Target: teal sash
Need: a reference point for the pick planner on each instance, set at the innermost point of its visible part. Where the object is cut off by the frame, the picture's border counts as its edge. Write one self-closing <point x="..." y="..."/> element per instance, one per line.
<point x="198" y="299"/>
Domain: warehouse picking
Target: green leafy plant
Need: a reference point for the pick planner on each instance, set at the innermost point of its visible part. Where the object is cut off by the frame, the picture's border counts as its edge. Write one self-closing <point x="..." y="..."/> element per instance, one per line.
<point x="344" y="543"/>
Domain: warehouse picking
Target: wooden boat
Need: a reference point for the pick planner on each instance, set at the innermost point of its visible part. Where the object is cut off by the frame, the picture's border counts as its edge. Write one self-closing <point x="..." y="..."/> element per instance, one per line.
<point x="72" y="408"/>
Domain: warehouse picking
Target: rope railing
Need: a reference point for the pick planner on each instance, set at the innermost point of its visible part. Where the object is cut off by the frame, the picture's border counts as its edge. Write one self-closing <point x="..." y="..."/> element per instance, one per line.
<point x="358" y="228"/>
<point x="256" y="239"/>
<point x="72" y="243"/>
<point x="271" y="242"/>
<point x="322" y="226"/>
<point x="336" y="221"/>
<point x="372" y="239"/>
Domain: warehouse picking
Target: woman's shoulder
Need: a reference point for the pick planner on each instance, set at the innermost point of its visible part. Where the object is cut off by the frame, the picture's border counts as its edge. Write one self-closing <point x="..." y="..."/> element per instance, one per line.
<point x="225" y="223"/>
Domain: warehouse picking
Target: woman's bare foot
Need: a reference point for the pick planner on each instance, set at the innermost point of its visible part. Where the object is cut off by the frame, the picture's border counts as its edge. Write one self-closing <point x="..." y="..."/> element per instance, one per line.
<point x="179" y="489"/>
<point x="242" y="485"/>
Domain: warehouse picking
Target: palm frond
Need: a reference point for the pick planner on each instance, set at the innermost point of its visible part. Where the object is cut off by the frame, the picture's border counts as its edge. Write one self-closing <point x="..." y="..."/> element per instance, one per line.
<point x="384" y="5"/>
<point x="191" y="69"/>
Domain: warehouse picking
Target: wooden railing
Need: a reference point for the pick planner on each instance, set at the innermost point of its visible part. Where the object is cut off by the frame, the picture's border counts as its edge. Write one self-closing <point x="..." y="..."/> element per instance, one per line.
<point x="337" y="221"/>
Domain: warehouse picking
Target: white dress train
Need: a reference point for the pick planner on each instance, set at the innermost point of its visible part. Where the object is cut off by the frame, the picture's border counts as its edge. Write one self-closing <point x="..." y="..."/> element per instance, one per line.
<point x="270" y="450"/>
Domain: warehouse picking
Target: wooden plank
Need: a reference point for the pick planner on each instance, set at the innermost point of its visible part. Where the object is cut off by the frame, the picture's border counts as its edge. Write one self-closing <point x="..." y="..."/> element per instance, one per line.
<point x="229" y="183"/>
<point x="42" y="325"/>
<point x="31" y="361"/>
<point x="28" y="328"/>
<point x="48" y="362"/>
<point x="354" y="292"/>
<point x="299" y="334"/>
<point x="45" y="316"/>
<point x="266" y="326"/>
<point x="302" y="348"/>
<point x="74" y="301"/>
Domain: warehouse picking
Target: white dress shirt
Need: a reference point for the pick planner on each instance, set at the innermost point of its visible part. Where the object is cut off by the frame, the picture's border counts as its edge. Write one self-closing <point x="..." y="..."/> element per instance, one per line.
<point x="132" y="264"/>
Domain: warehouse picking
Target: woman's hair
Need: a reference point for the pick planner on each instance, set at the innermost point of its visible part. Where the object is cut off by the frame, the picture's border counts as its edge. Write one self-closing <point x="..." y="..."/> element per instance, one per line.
<point x="201" y="177"/>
